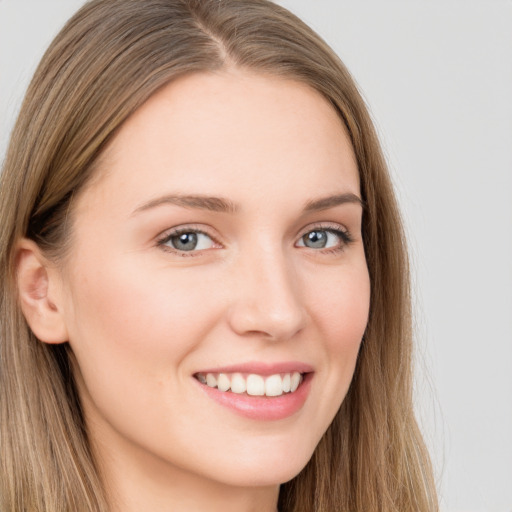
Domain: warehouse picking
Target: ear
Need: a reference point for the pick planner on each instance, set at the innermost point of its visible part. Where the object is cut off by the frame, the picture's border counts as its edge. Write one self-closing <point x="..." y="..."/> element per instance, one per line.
<point x="38" y="289"/>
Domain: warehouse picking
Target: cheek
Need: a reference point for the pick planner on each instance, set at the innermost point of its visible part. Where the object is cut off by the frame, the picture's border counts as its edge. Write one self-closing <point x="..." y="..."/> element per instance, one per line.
<point x="131" y="323"/>
<point x="132" y="332"/>
<point x="343" y="308"/>
<point x="342" y="313"/>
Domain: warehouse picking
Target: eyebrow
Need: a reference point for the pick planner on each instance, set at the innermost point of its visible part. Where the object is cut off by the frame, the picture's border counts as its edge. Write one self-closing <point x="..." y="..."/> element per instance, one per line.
<point x="331" y="201"/>
<point x="213" y="204"/>
<point x="221" y="205"/>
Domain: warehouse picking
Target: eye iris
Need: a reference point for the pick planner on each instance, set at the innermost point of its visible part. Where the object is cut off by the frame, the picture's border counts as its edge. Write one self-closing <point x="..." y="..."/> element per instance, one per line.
<point x="315" y="239"/>
<point x="185" y="241"/>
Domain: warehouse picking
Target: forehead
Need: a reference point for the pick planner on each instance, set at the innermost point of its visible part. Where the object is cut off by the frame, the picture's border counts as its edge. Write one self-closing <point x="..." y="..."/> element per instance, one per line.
<point x="231" y="132"/>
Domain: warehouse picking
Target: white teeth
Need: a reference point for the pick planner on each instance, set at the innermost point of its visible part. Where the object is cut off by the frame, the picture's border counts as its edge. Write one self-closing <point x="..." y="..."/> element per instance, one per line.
<point x="295" y="381"/>
<point x="274" y="385"/>
<point x="211" y="380"/>
<point x="223" y="382"/>
<point x="254" y="385"/>
<point x="287" y="383"/>
<point x="238" y="384"/>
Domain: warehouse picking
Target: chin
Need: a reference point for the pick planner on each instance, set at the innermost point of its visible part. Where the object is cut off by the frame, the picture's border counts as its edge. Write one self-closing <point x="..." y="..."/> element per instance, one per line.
<point x="265" y="473"/>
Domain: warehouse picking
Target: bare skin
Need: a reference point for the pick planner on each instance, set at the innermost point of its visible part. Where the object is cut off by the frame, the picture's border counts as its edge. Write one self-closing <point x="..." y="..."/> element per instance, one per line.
<point x="157" y="288"/>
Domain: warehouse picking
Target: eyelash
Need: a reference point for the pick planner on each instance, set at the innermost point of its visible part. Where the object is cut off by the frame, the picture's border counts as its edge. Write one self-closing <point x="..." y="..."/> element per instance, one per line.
<point x="342" y="233"/>
<point x="181" y="231"/>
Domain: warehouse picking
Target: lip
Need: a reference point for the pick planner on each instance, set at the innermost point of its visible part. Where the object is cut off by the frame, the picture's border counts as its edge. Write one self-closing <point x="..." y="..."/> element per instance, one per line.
<point x="258" y="407"/>
<point x="263" y="369"/>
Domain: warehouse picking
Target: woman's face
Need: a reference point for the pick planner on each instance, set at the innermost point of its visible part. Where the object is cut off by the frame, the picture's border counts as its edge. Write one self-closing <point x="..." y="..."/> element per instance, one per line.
<point x="222" y="235"/>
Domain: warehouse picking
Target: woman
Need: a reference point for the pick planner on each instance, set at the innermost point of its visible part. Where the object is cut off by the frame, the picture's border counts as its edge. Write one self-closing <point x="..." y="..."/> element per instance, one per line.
<point x="205" y="301"/>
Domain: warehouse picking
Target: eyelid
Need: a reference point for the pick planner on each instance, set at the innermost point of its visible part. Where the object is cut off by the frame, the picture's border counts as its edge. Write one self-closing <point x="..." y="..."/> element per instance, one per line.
<point x="166" y="235"/>
<point x="325" y="226"/>
<point x="338" y="229"/>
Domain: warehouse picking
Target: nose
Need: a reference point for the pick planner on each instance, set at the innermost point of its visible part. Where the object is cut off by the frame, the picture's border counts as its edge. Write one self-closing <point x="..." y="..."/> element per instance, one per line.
<point x="266" y="297"/>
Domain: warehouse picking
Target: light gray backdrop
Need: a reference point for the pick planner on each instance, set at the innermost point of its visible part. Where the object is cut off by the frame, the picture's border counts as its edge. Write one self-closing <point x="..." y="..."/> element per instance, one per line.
<point x="437" y="76"/>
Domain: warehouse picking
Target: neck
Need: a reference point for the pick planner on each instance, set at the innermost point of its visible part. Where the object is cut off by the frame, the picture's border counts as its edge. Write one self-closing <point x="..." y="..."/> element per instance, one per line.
<point x="137" y="482"/>
<point x="186" y="494"/>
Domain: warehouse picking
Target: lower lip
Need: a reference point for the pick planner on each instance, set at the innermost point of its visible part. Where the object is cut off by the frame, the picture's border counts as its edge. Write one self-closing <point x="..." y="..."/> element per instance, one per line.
<point x="261" y="407"/>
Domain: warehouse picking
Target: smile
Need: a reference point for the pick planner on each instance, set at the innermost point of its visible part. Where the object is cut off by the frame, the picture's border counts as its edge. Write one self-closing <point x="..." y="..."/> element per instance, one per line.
<point x="258" y="391"/>
<point x="252" y="384"/>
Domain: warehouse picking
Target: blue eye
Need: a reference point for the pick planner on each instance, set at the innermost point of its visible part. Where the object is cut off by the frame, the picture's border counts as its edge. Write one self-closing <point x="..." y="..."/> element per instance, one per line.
<point x="324" y="239"/>
<point x="188" y="241"/>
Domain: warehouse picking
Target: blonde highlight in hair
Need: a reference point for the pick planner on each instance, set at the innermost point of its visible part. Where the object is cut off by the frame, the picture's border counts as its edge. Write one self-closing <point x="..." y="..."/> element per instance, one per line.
<point x="105" y="63"/>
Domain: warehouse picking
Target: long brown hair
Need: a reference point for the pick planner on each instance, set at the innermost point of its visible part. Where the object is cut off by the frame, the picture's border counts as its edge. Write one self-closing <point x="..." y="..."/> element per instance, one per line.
<point x="108" y="59"/>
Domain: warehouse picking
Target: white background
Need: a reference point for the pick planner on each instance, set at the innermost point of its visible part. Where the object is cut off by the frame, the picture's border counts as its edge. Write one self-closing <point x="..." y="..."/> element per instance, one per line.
<point x="437" y="76"/>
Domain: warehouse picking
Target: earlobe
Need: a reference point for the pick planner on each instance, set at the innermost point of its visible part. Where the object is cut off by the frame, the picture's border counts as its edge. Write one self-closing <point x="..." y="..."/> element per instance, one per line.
<point x="37" y="293"/>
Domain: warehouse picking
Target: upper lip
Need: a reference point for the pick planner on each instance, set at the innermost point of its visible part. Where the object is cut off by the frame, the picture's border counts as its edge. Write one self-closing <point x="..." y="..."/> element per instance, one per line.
<point x="262" y="368"/>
